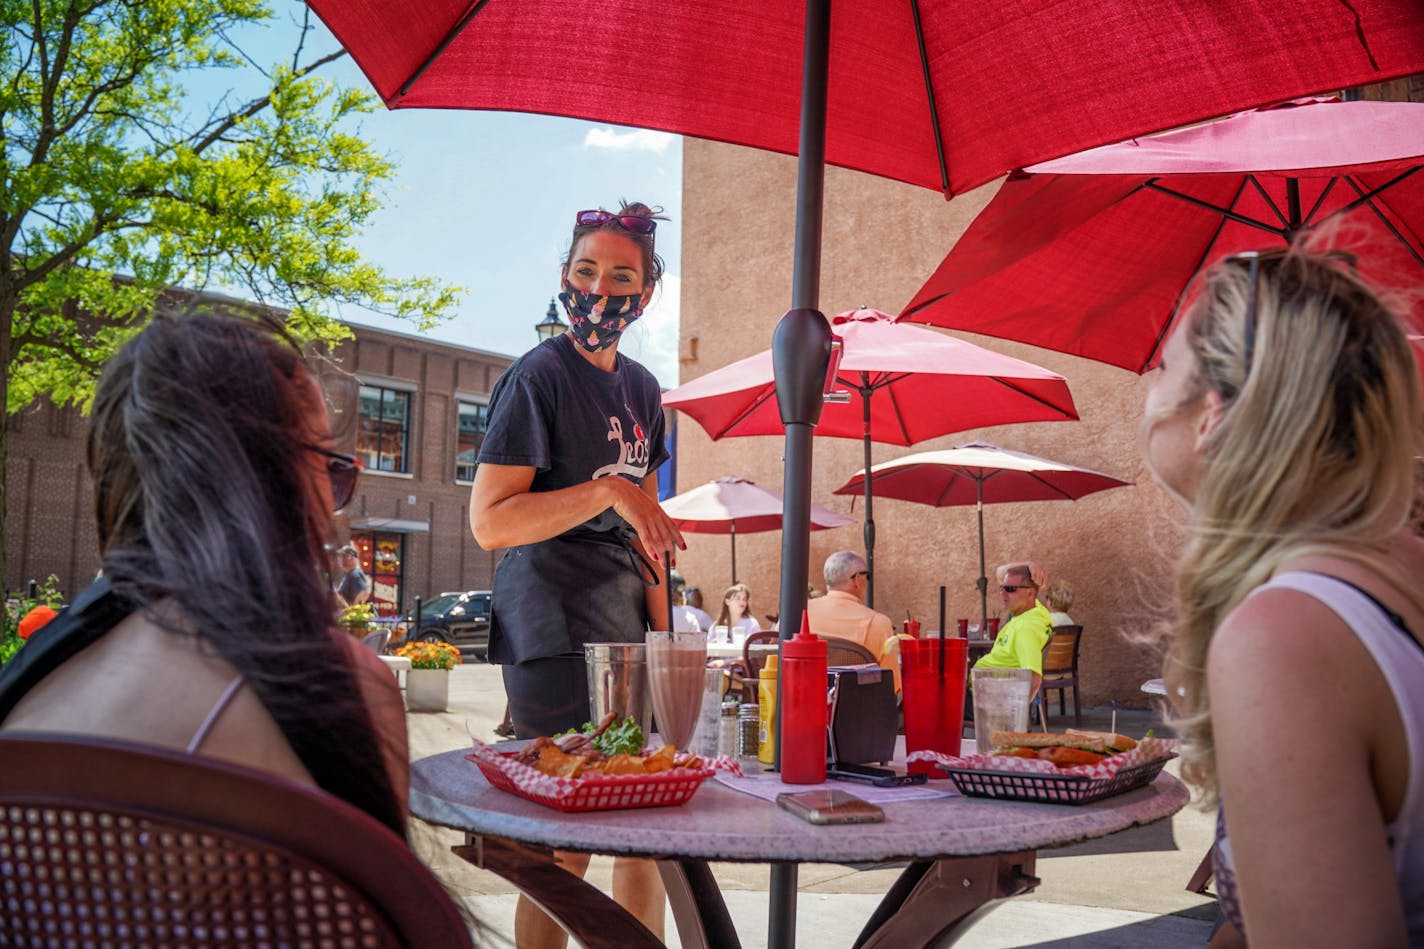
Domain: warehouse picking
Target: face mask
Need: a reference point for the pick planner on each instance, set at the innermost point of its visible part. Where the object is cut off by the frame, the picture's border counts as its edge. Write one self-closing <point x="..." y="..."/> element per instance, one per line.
<point x="597" y="321"/>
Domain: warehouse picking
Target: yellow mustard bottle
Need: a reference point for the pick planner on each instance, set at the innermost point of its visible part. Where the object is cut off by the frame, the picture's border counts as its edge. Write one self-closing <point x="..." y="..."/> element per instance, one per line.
<point x="766" y="702"/>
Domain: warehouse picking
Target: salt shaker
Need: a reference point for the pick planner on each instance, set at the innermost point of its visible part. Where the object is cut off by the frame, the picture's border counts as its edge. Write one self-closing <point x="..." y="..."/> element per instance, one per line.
<point x="748" y="730"/>
<point x="727" y="730"/>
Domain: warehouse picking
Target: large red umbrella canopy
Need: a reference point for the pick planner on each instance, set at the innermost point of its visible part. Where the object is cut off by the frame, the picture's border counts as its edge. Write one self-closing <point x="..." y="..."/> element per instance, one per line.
<point x="943" y="95"/>
<point x="733" y="505"/>
<point x="901" y="385"/>
<point x="1094" y="254"/>
<point x="979" y="473"/>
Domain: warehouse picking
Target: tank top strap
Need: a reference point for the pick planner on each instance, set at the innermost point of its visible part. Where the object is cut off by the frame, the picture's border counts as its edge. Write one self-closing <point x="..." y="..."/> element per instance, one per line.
<point x="214" y="713"/>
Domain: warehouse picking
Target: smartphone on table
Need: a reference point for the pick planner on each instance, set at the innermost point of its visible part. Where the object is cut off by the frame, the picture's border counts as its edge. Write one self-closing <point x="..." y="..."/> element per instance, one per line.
<point x="869" y="774"/>
<point x="830" y="807"/>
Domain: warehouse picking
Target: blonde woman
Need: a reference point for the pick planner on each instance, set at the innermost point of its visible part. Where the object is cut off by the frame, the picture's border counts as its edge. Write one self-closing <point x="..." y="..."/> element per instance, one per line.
<point x="1286" y="417"/>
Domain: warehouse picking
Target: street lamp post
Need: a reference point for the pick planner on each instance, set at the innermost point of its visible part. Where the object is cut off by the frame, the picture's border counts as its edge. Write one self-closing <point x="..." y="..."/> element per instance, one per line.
<point x="551" y="325"/>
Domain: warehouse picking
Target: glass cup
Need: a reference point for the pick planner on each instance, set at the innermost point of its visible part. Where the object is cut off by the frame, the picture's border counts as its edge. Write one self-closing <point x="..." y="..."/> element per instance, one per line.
<point x="677" y="672"/>
<point x="933" y="704"/>
<point x="714" y="687"/>
<point x="1000" y="702"/>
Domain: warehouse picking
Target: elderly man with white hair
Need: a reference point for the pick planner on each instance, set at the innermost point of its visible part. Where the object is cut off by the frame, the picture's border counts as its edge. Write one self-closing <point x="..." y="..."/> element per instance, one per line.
<point x="842" y="611"/>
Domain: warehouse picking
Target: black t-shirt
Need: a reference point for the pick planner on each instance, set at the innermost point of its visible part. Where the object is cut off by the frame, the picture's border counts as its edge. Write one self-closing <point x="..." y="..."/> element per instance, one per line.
<point x="572" y="422"/>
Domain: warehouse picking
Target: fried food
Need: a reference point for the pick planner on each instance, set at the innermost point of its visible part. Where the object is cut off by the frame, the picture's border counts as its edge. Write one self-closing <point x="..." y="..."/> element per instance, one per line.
<point x="554" y="761"/>
<point x="547" y="755"/>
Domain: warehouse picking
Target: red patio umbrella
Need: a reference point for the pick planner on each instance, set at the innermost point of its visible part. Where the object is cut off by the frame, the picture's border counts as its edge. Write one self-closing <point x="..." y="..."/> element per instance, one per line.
<point x="1093" y="254"/>
<point x="733" y="506"/>
<point x="979" y="473"/>
<point x="903" y="385"/>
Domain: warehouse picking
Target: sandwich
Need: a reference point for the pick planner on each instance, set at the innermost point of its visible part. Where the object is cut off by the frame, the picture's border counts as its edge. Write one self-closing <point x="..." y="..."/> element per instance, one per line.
<point x="1116" y="744"/>
<point x="1066" y="751"/>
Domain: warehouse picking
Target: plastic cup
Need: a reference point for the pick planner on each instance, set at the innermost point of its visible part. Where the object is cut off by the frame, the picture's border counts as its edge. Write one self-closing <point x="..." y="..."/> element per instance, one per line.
<point x="933" y="706"/>
<point x="912" y="628"/>
<point x="964" y="629"/>
<point x="1000" y="702"/>
<point x="993" y="626"/>
<point x="677" y="673"/>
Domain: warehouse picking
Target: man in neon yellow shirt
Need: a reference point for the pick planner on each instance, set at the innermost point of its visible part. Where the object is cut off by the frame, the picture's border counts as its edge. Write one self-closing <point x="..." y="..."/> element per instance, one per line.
<point x="1020" y="643"/>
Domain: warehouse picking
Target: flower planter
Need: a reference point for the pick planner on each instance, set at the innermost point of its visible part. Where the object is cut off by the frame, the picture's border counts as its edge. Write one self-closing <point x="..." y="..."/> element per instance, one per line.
<point x="427" y="690"/>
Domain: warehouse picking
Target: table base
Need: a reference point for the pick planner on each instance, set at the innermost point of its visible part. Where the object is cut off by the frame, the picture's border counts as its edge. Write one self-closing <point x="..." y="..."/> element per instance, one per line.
<point x="929" y="901"/>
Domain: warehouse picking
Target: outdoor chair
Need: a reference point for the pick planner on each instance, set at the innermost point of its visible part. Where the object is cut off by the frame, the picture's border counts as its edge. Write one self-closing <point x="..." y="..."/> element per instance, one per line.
<point x="845" y="652"/>
<point x="111" y="843"/>
<point x="378" y="640"/>
<point x="1060" y="670"/>
<point x="753" y="660"/>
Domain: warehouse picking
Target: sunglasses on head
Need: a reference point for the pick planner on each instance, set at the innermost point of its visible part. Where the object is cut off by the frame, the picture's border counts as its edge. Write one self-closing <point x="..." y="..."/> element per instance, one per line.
<point x="1253" y="260"/>
<point x="343" y="470"/>
<point x="629" y="222"/>
<point x="1014" y="588"/>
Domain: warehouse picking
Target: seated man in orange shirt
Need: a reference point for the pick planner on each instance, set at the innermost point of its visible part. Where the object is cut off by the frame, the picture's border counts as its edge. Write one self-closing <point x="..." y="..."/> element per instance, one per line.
<point x="842" y="611"/>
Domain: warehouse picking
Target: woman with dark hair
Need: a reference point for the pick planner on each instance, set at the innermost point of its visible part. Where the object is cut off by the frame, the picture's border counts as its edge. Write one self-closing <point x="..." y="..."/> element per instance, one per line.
<point x="567" y="481"/>
<point x="210" y="628"/>
<point x="1286" y="417"/>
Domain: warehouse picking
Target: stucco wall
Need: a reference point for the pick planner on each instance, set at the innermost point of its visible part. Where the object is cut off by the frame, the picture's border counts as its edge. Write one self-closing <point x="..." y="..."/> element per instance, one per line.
<point x="881" y="241"/>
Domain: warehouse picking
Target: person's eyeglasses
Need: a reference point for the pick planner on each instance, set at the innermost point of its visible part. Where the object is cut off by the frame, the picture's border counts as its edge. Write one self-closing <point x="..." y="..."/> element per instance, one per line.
<point x="343" y="470"/>
<point x="629" y="222"/>
<point x="860" y="573"/>
<point x="1253" y="259"/>
<point x="1012" y="588"/>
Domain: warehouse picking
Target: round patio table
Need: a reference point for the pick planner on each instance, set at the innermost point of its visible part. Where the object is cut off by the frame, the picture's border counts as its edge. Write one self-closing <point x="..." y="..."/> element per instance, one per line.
<point x="964" y="852"/>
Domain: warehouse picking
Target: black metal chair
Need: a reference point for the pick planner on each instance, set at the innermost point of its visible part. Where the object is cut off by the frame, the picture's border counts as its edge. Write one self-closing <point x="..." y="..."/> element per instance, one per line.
<point x="111" y="843"/>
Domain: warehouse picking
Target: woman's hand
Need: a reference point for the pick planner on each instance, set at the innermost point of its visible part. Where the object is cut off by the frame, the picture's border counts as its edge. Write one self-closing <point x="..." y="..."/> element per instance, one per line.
<point x="638" y="505"/>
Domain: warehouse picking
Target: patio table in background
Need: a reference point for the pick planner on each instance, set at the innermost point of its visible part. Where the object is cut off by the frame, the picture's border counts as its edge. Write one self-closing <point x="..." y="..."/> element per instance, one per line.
<point x="964" y="852"/>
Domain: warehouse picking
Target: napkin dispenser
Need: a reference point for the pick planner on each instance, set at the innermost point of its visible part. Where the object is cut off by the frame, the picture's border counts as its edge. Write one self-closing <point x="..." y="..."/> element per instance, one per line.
<point x="863" y="718"/>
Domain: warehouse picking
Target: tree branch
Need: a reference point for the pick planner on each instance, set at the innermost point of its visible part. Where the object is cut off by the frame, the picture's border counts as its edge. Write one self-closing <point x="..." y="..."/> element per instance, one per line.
<point x="257" y="105"/>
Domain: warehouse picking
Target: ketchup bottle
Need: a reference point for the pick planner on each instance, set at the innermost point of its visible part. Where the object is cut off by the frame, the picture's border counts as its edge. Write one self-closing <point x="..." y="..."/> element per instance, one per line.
<point x="803" y="707"/>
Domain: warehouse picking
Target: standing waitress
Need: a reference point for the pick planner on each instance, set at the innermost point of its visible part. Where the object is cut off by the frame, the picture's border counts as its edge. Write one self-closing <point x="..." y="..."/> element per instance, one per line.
<point x="567" y="482"/>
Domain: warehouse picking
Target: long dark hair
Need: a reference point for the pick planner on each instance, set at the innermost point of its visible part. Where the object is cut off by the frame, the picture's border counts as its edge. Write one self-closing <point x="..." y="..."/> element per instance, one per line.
<point x="204" y="490"/>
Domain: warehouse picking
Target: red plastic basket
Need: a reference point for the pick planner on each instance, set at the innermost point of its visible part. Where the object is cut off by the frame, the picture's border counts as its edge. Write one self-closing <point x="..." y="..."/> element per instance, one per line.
<point x="594" y="792"/>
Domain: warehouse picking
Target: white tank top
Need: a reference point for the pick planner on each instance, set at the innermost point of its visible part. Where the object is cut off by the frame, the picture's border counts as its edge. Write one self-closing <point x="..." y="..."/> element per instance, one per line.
<point x="1400" y="659"/>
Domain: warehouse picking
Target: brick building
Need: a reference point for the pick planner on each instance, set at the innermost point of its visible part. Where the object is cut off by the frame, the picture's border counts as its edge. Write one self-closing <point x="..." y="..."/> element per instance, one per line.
<point x="412" y="409"/>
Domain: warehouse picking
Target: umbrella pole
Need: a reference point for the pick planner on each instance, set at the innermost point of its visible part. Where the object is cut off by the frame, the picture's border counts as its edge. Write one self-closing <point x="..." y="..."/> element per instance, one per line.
<point x="869" y="500"/>
<point x="983" y="578"/>
<point x="734" y="553"/>
<point x="801" y="353"/>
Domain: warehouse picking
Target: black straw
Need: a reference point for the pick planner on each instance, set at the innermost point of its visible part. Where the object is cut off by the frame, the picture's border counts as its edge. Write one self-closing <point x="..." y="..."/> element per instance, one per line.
<point x="667" y="582"/>
<point x="941" y="632"/>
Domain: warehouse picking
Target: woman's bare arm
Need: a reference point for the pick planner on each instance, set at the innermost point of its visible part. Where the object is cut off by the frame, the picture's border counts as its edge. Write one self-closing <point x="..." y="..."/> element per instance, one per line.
<point x="505" y="513"/>
<point x="1296" y="703"/>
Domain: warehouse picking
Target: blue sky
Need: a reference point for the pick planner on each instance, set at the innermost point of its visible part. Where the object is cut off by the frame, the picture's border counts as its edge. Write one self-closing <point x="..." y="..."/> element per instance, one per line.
<point x="485" y="200"/>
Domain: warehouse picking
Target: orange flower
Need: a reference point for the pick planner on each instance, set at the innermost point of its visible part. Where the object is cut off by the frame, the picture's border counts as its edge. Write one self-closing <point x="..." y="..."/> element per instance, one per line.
<point x="34" y="619"/>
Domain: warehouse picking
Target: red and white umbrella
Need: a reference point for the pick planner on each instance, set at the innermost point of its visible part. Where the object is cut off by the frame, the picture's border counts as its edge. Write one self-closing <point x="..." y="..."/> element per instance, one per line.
<point x="903" y="384"/>
<point x="735" y="506"/>
<point x="979" y="473"/>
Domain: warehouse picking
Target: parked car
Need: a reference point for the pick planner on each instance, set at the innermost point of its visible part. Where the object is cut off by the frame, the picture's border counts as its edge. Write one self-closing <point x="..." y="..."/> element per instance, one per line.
<point x="461" y="619"/>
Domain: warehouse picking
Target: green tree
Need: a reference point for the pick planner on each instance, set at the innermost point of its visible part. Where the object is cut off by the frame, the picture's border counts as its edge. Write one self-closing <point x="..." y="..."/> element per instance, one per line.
<point x="119" y="181"/>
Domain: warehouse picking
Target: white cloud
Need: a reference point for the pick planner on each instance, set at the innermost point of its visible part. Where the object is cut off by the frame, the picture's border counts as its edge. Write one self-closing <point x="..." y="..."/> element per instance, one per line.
<point x="653" y="339"/>
<point x="628" y="140"/>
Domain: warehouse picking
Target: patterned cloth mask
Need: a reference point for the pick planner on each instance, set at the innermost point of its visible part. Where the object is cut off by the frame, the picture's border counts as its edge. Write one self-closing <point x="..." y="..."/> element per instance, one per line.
<point x="597" y="321"/>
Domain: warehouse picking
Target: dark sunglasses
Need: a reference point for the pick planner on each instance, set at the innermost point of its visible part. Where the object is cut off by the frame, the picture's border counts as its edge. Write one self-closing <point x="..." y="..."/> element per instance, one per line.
<point x="1253" y="260"/>
<point x="860" y="573"/>
<point x="1011" y="588"/>
<point x="629" y="222"/>
<point x="343" y="470"/>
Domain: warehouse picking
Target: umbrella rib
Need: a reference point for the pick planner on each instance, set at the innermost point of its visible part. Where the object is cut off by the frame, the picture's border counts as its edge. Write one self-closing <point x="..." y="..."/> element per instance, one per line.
<point x="1255" y="182"/>
<point x="1182" y="294"/>
<point x="1014" y="387"/>
<point x="1385" y="221"/>
<point x="1324" y="193"/>
<point x="930" y="98"/>
<point x="897" y="415"/>
<point x="450" y="37"/>
<point x="742" y="416"/>
<point x="1224" y="212"/>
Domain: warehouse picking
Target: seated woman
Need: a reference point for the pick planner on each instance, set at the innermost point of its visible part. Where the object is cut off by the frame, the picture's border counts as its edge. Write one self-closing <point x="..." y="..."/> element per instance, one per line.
<point x="1286" y="417"/>
<point x="1058" y="597"/>
<point x="210" y="629"/>
<point x="736" y="622"/>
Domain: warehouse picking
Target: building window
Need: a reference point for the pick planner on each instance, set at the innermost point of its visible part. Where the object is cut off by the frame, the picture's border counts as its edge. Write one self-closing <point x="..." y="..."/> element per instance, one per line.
<point x="469" y="436"/>
<point x="380" y="554"/>
<point x="384" y="429"/>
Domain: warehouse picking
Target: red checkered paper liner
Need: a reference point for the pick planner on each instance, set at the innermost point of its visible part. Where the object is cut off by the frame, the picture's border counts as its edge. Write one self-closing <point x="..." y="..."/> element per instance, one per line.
<point x="594" y="791"/>
<point x="1147" y="750"/>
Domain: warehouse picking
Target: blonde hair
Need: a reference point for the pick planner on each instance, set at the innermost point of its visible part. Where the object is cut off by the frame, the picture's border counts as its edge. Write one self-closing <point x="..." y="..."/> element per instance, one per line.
<point x="1059" y="596"/>
<point x="1314" y="451"/>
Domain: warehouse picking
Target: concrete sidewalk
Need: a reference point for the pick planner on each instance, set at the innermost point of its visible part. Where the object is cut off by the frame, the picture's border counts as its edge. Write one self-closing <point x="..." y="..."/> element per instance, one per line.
<point x="1127" y="890"/>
